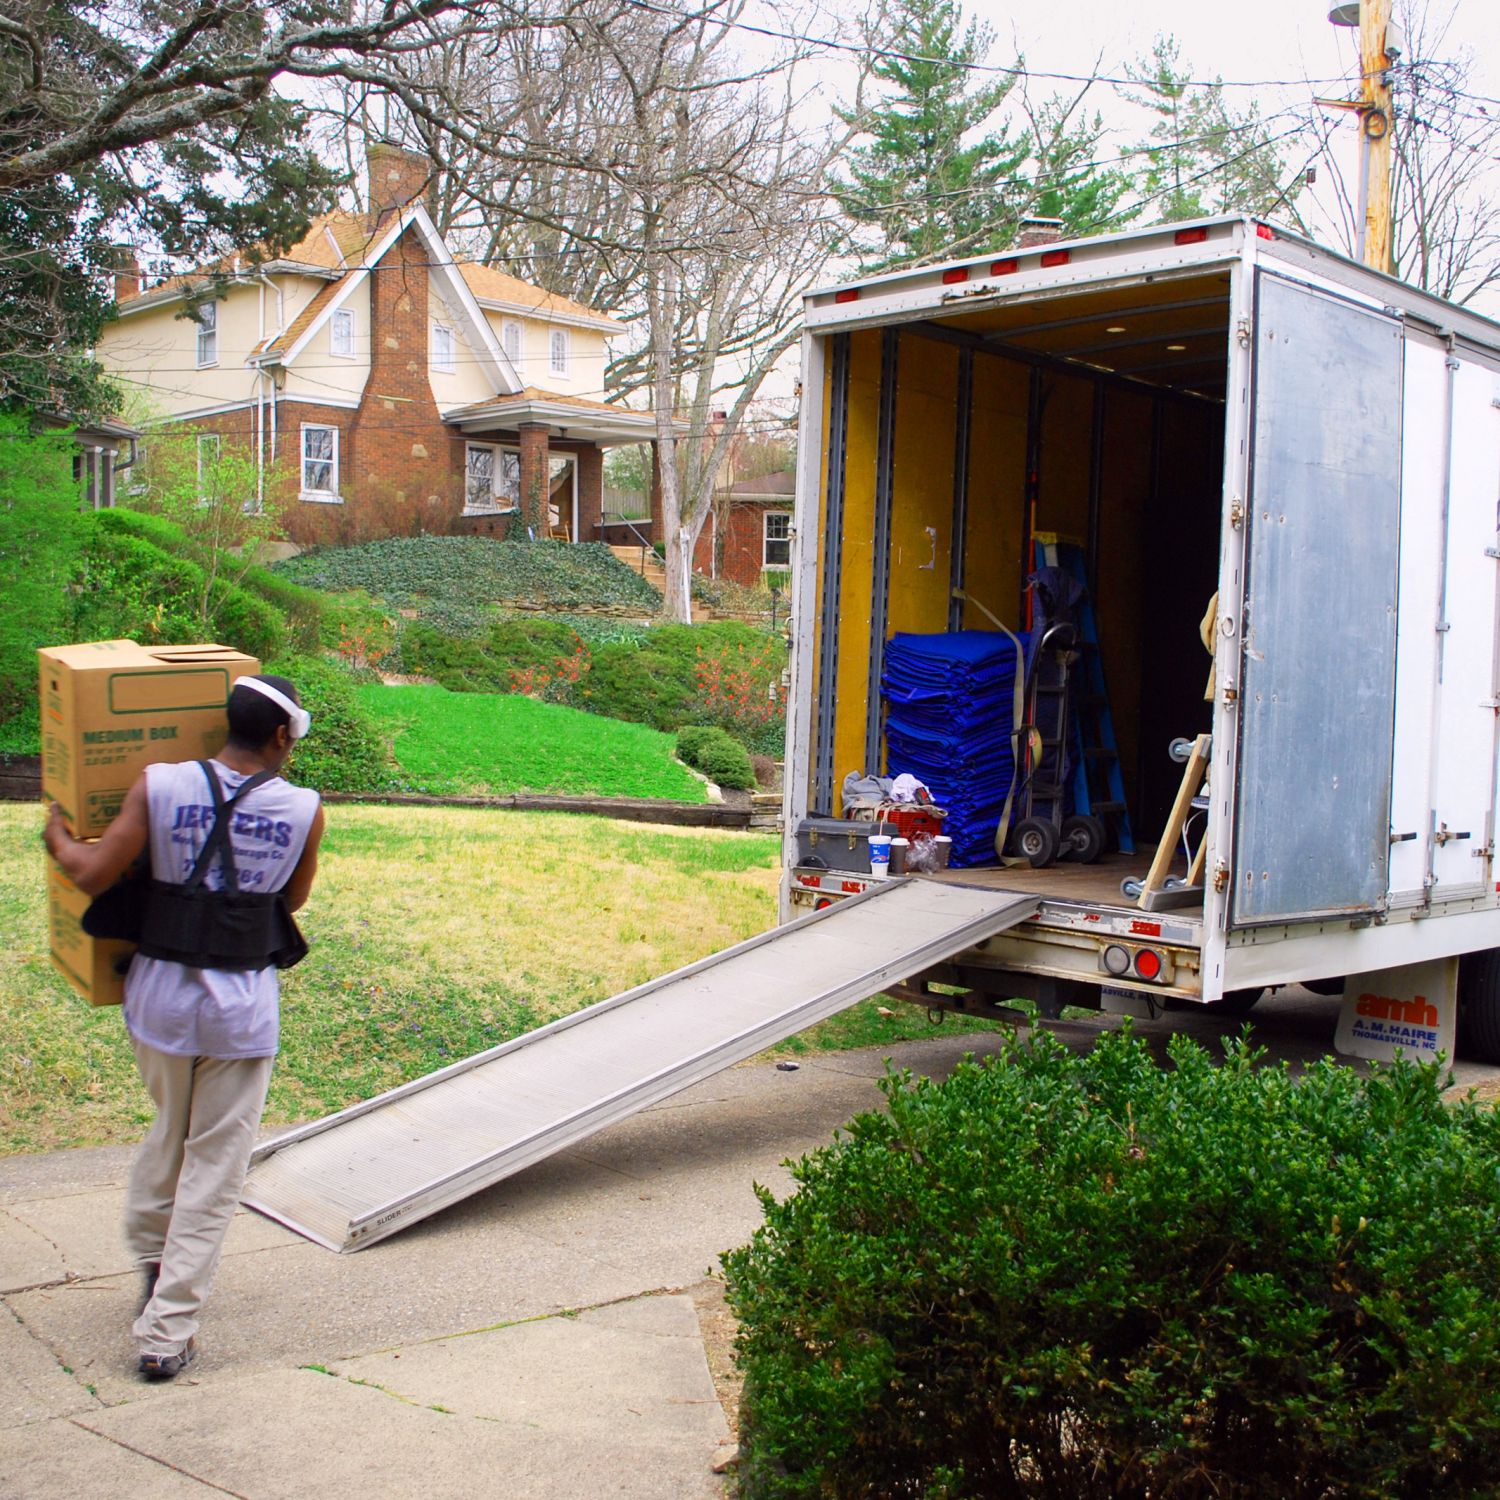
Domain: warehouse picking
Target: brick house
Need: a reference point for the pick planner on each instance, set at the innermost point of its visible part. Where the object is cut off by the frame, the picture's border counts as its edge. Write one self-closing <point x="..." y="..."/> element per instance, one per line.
<point x="381" y="384"/>
<point x="749" y="531"/>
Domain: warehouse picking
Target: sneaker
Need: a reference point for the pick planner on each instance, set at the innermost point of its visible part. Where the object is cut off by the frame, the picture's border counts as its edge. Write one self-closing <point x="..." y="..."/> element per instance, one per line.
<point x="169" y="1366"/>
<point x="149" y="1274"/>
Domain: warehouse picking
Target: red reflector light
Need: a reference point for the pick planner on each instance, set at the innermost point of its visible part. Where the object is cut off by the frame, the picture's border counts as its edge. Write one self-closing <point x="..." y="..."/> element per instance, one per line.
<point x="959" y="273"/>
<point x="1265" y="231"/>
<point x="849" y="294"/>
<point x="1190" y="236"/>
<point x="1057" y="257"/>
<point x="1005" y="268"/>
<point x="823" y="903"/>
<point x="1148" y="963"/>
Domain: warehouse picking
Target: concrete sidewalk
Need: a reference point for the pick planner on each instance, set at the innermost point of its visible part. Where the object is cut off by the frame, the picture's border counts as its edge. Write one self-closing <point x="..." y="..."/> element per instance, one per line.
<point x="539" y="1340"/>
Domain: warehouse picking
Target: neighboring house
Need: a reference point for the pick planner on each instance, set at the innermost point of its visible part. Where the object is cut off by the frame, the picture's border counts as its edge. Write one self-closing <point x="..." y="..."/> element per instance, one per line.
<point x="381" y="384"/>
<point x="750" y="530"/>
<point x="96" y="460"/>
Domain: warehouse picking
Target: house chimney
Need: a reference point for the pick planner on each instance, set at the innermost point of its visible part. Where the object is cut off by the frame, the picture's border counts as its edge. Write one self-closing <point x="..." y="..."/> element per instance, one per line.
<point x="397" y="176"/>
<point x="1038" y="232"/>
<point x="127" y="273"/>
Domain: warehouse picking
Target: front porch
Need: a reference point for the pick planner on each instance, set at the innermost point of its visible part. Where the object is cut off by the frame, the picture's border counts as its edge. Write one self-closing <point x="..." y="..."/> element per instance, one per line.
<point x="534" y="466"/>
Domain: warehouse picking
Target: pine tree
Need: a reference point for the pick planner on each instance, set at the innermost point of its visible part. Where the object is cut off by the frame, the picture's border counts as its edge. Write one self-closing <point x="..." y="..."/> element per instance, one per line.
<point x="1202" y="156"/>
<point x="934" y="181"/>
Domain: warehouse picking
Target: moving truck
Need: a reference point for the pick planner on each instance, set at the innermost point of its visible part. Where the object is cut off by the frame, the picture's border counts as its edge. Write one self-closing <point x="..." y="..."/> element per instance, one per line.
<point x="1216" y="407"/>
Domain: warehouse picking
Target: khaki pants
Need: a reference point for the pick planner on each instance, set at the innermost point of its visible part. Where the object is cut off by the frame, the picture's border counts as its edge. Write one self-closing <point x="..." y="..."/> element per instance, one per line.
<point x="187" y="1179"/>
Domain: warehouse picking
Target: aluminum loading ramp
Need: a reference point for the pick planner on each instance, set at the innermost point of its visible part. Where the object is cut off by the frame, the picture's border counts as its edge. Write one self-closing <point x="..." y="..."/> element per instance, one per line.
<point x="377" y="1167"/>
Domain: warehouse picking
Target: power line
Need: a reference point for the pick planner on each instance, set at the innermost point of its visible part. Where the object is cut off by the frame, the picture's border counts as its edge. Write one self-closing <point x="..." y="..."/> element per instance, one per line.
<point x="833" y="44"/>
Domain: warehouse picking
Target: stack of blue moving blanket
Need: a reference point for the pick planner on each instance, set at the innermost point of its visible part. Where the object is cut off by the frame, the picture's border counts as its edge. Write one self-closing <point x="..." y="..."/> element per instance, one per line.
<point x="950" y="708"/>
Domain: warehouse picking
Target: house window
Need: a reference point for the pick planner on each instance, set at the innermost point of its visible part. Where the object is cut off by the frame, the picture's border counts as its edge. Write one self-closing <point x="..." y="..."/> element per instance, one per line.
<point x="492" y="479"/>
<point x="208" y="334"/>
<point x="479" y="484"/>
<point x="208" y="458"/>
<point x="558" y="344"/>
<point x="341" y="334"/>
<point x="510" y="341"/>
<point x="778" y="545"/>
<point x="442" y="347"/>
<point x="320" y="463"/>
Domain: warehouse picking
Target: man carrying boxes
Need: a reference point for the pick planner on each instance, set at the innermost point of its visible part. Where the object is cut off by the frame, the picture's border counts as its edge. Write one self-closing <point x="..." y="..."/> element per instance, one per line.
<point x="233" y="852"/>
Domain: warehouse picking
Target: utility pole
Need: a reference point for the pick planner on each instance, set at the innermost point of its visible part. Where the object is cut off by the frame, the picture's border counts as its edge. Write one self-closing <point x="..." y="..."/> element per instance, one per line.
<point x="1375" y="139"/>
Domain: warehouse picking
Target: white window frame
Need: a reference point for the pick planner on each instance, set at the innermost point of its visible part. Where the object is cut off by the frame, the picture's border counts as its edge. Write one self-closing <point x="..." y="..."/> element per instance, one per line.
<point x="444" y="360"/>
<point x="558" y="351"/>
<point x="341" y="333"/>
<point x="208" y="335"/>
<point x="766" y="539"/>
<point x="330" y="495"/>
<point x="502" y="459"/>
<point x="510" y="341"/>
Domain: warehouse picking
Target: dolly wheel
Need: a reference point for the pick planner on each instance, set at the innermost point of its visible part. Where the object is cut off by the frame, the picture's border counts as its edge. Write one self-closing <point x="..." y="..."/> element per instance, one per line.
<point x="1083" y="837"/>
<point x="1479" y="1006"/>
<point x="1037" y="841"/>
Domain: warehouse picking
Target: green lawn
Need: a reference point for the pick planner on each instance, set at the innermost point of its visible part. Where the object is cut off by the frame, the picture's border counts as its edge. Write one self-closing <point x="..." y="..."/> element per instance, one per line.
<point x="481" y="743"/>
<point x="435" y="932"/>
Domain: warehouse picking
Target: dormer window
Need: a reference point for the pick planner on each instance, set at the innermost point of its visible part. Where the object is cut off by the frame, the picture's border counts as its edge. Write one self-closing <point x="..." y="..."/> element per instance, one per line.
<point x="557" y="361"/>
<point x="341" y="334"/>
<point x="443" y="357"/>
<point x="208" y="334"/>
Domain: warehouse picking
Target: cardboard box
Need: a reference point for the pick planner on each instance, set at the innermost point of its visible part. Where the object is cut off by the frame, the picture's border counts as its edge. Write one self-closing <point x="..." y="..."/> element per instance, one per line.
<point x="111" y="707"/>
<point x="95" y="967"/>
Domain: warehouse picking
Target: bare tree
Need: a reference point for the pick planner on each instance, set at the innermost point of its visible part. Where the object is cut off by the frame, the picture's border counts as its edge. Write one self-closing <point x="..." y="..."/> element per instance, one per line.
<point x="629" y="158"/>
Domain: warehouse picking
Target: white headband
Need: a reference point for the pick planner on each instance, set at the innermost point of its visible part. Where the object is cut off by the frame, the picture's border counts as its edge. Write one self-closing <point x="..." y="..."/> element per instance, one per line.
<point x="301" y="720"/>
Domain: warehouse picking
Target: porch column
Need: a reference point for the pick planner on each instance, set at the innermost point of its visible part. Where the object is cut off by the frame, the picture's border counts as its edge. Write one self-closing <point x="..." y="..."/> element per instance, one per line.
<point x="534" y="456"/>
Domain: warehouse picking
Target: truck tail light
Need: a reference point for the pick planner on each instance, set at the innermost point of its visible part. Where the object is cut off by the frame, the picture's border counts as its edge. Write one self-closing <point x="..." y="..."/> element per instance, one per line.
<point x="958" y="273"/>
<point x="1005" y="268"/>
<point x="822" y="903"/>
<point x="1116" y="960"/>
<point x="1148" y="963"/>
<point x="848" y="294"/>
<point x="1056" y="257"/>
<point x="1190" y="236"/>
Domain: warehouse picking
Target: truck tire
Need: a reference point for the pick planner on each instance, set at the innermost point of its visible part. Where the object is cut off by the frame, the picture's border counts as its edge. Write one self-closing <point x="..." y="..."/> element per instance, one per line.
<point x="1479" y="1006"/>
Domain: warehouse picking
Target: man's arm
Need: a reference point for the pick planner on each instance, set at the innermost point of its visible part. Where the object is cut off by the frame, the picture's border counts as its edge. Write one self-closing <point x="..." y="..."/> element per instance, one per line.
<point x="299" y="887"/>
<point x="95" y="867"/>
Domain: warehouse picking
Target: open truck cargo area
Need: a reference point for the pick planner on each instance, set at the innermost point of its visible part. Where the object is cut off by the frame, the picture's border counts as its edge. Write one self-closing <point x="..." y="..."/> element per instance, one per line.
<point x="1229" y="429"/>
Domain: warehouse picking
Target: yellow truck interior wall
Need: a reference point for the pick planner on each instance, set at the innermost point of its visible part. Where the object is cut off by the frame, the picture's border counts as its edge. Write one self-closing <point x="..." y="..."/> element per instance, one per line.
<point x="1067" y="420"/>
<point x="857" y="574"/>
<point x="922" y="486"/>
<point x="814" y="605"/>
<point x="997" y="491"/>
<point x="1124" y="491"/>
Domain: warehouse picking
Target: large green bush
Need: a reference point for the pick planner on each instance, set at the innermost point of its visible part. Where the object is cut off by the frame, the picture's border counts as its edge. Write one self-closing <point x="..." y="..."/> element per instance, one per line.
<point x="40" y="536"/>
<point x="1090" y="1276"/>
<point x="346" y="750"/>
<point x="128" y="587"/>
<point x="723" y="760"/>
<point x="300" y="609"/>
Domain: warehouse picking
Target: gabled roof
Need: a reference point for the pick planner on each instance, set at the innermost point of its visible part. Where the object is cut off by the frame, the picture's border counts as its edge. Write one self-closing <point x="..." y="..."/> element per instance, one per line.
<point x="506" y="293"/>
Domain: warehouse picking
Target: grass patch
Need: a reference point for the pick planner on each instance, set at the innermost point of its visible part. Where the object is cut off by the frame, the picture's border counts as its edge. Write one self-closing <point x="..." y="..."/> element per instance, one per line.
<point x="436" y="932"/>
<point x="491" y="744"/>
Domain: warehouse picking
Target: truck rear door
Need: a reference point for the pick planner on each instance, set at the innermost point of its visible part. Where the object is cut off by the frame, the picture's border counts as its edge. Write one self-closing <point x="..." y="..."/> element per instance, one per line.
<point x="1316" y="686"/>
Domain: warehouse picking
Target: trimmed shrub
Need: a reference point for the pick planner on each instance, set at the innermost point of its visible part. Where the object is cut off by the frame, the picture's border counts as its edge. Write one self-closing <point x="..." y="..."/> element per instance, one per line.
<point x="1089" y="1276"/>
<point x="346" y="750"/>
<point x="722" y="759"/>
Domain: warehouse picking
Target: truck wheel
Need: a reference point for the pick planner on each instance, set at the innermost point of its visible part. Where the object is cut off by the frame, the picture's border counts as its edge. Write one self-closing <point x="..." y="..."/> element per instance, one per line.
<point x="1036" y="841"/>
<point x="1479" y="1006"/>
<point x="1083" y="837"/>
<point x="1235" y="1003"/>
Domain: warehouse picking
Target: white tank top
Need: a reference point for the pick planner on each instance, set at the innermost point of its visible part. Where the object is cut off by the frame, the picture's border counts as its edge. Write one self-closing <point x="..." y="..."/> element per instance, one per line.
<point x="215" y="1012"/>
